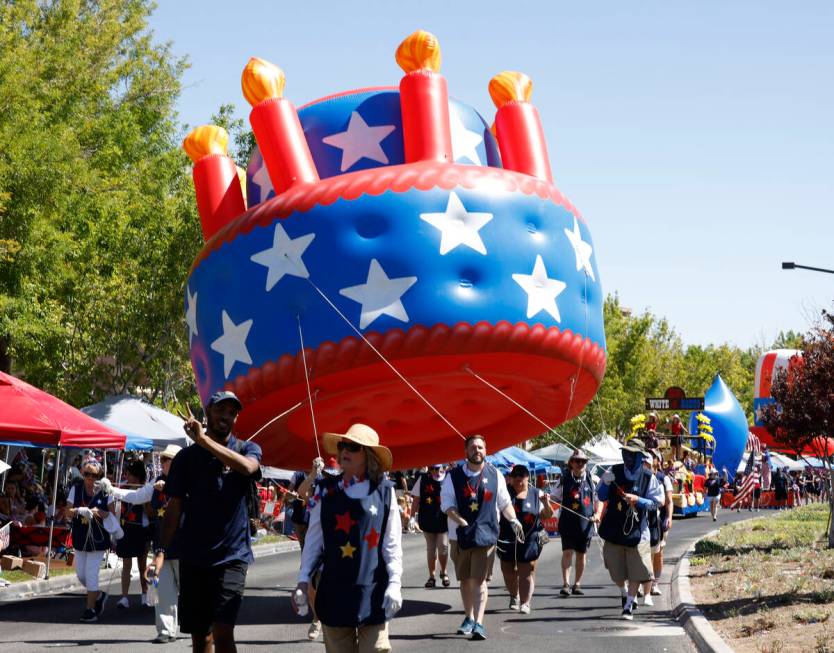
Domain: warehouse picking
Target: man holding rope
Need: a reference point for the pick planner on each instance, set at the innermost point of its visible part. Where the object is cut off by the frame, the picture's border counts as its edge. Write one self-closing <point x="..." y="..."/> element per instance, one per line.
<point x="472" y="496"/>
<point x="629" y="490"/>
<point x="207" y="486"/>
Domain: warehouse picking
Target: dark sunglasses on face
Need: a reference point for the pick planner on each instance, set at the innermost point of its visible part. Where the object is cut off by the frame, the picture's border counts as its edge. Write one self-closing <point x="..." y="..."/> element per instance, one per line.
<point x="345" y="445"/>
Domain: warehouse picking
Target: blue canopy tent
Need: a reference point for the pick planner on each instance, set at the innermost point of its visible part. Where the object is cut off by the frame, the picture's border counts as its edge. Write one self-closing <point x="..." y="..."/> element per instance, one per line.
<point x="506" y="458"/>
<point x="147" y="427"/>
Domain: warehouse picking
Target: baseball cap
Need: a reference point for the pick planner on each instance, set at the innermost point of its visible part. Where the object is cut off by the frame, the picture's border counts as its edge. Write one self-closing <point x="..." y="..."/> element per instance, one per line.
<point x="224" y="395"/>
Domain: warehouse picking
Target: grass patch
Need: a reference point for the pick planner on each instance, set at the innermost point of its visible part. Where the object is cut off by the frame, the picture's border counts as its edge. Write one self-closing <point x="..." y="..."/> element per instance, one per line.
<point x="17" y="576"/>
<point x="271" y="539"/>
<point x="766" y="583"/>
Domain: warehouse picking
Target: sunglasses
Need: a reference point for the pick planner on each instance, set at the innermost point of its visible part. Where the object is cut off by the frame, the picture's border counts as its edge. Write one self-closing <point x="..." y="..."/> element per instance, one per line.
<point x="345" y="445"/>
<point x="90" y="475"/>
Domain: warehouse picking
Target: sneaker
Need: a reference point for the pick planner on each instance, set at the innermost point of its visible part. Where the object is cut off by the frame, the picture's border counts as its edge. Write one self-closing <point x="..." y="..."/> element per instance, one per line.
<point x="628" y="613"/>
<point x="577" y="591"/>
<point x="466" y="627"/>
<point x="478" y="633"/>
<point x="565" y="591"/>
<point x="123" y="603"/>
<point x="164" y="638"/>
<point x="145" y="602"/>
<point x="514" y="603"/>
<point x="656" y="591"/>
<point x="314" y="630"/>
<point x="89" y="616"/>
<point x="525" y="608"/>
<point x="102" y="597"/>
<point x="648" y="600"/>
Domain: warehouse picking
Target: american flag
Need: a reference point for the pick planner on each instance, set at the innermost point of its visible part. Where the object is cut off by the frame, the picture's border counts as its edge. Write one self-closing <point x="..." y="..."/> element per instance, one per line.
<point x="5" y="536"/>
<point x="751" y="478"/>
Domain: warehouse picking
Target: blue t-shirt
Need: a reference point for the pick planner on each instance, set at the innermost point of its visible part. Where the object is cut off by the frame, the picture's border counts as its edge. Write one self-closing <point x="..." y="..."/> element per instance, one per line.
<point x="215" y="527"/>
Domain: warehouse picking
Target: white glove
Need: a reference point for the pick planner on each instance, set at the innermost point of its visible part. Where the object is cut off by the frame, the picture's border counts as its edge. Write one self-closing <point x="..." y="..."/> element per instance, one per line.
<point x="518" y="529"/>
<point x="85" y="512"/>
<point x="318" y="465"/>
<point x="105" y="486"/>
<point x="607" y="477"/>
<point x="392" y="601"/>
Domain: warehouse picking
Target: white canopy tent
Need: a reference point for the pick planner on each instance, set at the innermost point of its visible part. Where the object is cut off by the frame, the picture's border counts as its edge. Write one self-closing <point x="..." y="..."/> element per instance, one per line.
<point x="604" y="450"/>
<point x="147" y="427"/>
<point x="555" y="453"/>
<point x="777" y="460"/>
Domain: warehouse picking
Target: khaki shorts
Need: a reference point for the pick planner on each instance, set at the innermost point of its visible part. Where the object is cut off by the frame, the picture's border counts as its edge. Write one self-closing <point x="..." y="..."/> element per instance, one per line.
<point x="662" y="543"/>
<point x="628" y="563"/>
<point x="475" y="563"/>
<point x="364" y="639"/>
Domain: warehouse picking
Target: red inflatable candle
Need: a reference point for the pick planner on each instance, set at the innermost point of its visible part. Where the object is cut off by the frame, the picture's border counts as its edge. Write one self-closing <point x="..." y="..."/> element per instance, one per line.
<point x="518" y="127"/>
<point x="424" y="100"/>
<point x="216" y="180"/>
<point x="277" y="128"/>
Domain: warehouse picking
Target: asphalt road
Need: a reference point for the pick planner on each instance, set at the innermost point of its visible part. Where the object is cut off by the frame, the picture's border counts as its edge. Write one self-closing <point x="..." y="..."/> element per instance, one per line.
<point x="428" y="619"/>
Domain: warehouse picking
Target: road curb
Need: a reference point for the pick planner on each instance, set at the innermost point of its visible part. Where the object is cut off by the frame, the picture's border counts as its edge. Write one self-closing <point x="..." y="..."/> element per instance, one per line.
<point x="69" y="583"/>
<point x="276" y="548"/>
<point x="686" y="610"/>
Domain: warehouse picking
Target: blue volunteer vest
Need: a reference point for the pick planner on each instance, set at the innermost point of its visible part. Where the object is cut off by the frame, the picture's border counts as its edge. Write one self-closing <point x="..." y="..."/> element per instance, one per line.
<point x="89" y="535"/>
<point x="618" y="526"/>
<point x="579" y="497"/>
<point x="354" y="575"/>
<point x="476" y="498"/>
<point x="159" y="502"/>
<point x="430" y="518"/>
<point x="528" y="512"/>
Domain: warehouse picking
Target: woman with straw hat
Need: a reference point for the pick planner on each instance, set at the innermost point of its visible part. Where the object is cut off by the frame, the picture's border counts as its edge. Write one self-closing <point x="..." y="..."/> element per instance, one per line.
<point x="354" y="533"/>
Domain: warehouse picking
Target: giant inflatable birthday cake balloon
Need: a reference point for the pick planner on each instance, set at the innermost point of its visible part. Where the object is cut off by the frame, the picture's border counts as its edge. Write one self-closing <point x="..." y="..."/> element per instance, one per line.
<point x="440" y="283"/>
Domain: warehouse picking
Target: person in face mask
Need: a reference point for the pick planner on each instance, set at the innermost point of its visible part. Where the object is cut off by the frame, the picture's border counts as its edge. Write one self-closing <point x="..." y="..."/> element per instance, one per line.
<point x="630" y="491"/>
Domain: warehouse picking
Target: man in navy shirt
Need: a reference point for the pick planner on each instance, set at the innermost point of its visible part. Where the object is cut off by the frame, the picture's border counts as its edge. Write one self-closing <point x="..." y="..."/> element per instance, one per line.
<point x="207" y="484"/>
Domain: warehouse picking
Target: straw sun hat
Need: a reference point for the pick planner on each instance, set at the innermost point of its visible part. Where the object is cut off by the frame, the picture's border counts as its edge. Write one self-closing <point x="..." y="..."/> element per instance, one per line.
<point x="364" y="435"/>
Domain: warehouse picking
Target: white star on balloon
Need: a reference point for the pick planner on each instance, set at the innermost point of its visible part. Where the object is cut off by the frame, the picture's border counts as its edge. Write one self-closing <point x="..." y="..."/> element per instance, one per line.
<point x="191" y="314"/>
<point x="232" y="344"/>
<point x="379" y="295"/>
<point x="458" y="226"/>
<point x="284" y="257"/>
<point x="464" y="141"/>
<point x="541" y="291"/>
<point x="262" y="180"/>
<point x="360" y="141"/>
<point x="582" y="250"/>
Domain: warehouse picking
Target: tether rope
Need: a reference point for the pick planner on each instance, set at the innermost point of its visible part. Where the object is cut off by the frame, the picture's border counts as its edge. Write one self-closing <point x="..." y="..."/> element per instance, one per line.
<point x="309" y="392"/>
<point x="381" y="355"/>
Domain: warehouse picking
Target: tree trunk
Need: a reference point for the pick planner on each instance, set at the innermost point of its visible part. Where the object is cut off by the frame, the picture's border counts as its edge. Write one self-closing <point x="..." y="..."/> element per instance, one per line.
<point x="830" y="510"/>
<point x="5" y="359"/>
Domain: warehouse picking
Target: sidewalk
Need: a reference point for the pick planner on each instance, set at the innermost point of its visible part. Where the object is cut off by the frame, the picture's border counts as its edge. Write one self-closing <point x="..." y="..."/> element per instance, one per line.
<point x="69" y="583"/>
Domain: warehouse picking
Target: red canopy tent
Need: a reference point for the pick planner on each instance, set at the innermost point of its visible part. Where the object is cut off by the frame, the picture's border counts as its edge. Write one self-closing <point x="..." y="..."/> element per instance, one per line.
<point x="819" y="447"/>
<point x="31" y="416"/>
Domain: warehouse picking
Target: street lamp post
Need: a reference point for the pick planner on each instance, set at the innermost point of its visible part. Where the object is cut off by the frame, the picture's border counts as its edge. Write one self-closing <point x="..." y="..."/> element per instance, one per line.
<point x="790" y="265"/>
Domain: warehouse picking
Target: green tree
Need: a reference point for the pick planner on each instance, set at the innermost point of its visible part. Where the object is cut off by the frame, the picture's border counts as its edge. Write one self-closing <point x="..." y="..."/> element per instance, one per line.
<point x="97" y="219"/>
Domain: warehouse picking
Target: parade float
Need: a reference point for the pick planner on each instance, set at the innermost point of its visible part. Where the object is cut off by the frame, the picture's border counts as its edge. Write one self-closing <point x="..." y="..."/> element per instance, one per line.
<point x="397" y="261"/>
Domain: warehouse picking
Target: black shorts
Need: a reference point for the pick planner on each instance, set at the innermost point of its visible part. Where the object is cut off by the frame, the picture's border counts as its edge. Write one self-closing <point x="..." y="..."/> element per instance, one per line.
<point x="757" y="493"/>
<point x="575" y="542"/>
<point x="134" y="544"/>
<point x="210" y="595"/>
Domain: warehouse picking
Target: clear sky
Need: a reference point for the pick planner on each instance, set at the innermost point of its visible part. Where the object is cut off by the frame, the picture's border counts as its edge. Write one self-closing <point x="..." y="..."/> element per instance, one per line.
<point x="696" y="138"/>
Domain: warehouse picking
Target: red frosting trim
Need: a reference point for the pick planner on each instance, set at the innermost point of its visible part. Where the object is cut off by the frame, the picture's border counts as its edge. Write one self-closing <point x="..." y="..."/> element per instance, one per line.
<point x="424" y="175"/>
<point x="420" y="341"/>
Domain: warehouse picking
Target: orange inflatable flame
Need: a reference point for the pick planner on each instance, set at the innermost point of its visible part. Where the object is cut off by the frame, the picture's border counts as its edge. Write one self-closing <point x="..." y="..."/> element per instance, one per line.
<point x="205" y="141"/>
<point x="510" y="86"/>
<point x="261" y="81"/>
<point x="419" y="51"/>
